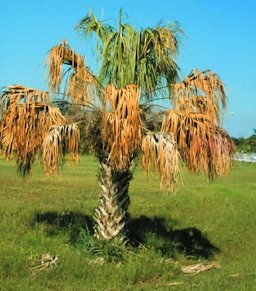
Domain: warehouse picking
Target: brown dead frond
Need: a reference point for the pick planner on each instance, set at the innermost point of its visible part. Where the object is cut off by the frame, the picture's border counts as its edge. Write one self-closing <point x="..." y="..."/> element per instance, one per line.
<point x="222" y="151"/>
<point x="201" y="92"/>
<point x="18" y="94"/>
<point x="11" y="98"/>
<point x="57" y="141"/>
<point x="25" y="119"/>
<point x="160" y="151"/>
<point x="168" y="39"/>
<point x="202" y="146"/>
<point x="121" y="124"/>
<point x="81" y="83"/>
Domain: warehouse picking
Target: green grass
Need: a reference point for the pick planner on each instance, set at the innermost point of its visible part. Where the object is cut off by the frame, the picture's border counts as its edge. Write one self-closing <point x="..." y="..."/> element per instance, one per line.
<point x="203" y="222"/>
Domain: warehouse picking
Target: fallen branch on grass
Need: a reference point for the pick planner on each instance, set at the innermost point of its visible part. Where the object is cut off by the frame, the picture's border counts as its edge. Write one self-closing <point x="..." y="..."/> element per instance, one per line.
<point x="47" y="261"/>
<point x="197" y="268"/>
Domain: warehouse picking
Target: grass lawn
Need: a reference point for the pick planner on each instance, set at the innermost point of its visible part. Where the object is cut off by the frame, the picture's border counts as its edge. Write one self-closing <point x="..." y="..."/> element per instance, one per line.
<point x="203" y="222"/>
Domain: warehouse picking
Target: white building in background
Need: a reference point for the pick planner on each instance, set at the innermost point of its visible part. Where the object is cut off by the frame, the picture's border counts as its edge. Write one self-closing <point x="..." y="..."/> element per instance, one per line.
<point x="245" y="157"/>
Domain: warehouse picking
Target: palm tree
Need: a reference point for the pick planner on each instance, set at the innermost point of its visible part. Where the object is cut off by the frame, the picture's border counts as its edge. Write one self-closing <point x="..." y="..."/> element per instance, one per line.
<point x="134" y="64"/>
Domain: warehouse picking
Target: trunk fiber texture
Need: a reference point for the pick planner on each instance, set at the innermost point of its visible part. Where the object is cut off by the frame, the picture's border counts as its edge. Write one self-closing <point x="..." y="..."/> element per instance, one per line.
<point x="111" y="216"/>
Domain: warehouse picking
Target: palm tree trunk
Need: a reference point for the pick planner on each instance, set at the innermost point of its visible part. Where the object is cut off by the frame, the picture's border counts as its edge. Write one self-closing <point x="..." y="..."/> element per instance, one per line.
<point x="111" y="216"/>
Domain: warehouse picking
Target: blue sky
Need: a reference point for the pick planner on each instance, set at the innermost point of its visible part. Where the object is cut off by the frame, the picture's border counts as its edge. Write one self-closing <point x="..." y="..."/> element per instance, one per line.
<point x="219" y="35"/>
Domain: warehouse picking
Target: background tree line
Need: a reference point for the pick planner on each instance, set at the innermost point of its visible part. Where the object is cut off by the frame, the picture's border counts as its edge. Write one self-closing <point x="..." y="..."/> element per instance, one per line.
<point x="246" y="145"/>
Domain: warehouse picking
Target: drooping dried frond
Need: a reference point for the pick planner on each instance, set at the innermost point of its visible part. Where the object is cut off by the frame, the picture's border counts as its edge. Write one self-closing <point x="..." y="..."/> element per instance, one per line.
<point x="18" y="94"/>
<point x="222" y="151"/>
<point x="24" y="126"/>
<point x="80" y="87"/>
<point x="201" y="92"/>
<point x="169" y="36"/>
<point x="160" y="151"/>
<point x="81" y="83"/>
<point x="122" y="125"/>
<point x="59" y="55"/>
<point x="203" y="146"/>
<point x="57" y="141"/>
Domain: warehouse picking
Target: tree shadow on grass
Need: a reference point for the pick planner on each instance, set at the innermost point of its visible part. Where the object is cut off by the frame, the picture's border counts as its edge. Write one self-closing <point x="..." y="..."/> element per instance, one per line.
<point x="72" y="222"/>
<point x="160" y="234"/>
<point x="156" y="233"/>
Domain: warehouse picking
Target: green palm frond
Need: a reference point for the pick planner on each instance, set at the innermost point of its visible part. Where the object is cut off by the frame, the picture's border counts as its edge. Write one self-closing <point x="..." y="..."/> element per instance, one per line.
<point x="156" y="52"/>
<point x="145" y="58"/>
<point x="90" y="24"/>
<point x="118" y="57"/>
